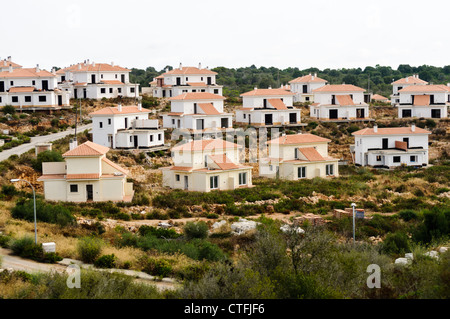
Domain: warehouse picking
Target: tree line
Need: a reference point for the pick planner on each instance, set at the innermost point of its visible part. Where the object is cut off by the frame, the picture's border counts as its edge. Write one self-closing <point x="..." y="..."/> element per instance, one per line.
<point x="376" y="79"/>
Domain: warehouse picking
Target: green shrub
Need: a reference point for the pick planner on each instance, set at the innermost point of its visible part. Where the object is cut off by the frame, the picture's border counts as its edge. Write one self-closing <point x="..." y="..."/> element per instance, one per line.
<point x="89" y="249"/>
<point x="55" y="214"/>
<point x="396" y="243"/>
<point x="195" y="230"/>
<point x="46" y="156"/>
<point x="155" y="267"/>
<point x="106" y="261"/>
<point x="26" y="248"/>
<point x="4" y="241"/>
<point x="145" y="230"/>
<point x="408" y="215"/>
<point x="8" y="109"/>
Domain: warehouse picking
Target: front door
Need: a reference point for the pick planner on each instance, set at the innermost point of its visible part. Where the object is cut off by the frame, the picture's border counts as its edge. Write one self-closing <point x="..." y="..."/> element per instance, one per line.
<point x="360" y="113"/>
<point x="122" y="78"/>
<point x="333" y="114"/>
<point x="59" y="100"/>
<point x="436" y="114"/>
<point x="2" y="86"/>
<point x="269" y="119"/>
<point x="385" y="142"/>
<point x="44" y="85"/>
<point x="93" y="78"/>
<point x="293" y="118"/>
<point x="135" y="141"/>
<point x="305" y="88"/>
<point x="90" y="192"/>
<point x="178" y="81"/>
<point x="186" y="182"/>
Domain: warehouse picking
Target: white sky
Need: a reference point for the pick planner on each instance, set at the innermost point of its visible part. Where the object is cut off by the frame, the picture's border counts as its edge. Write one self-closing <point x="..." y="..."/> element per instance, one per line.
<point x="231" y="33"/>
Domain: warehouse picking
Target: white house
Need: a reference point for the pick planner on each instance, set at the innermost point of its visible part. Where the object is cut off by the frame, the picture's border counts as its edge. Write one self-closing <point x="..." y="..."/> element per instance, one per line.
<point x="31" y="88"/>
<point x="86" y="175"/>
<point x="339" y="102"/>
<point x="197" y="111"/>
<point x="403" y="83"/>
<point x="185" y="80"/>
<point x="5" y="63"/>
<point x="267" y="107"/>
<point x="427" y="101"/>
<point x="298" y="156"/>
<point x="205" y="165"/>
<point x="303" y="87"/>
<point x="391" y="146"/>
<point x="96" y="81"/>
<point x="126" y="127"/>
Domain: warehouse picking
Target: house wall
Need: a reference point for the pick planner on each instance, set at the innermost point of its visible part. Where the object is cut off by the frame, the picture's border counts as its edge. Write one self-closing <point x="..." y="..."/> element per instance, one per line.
<point x="51" y="99"/>
<point x="406" y="98"/>
<point x="287" y="152"/>
<point x="323" y="111"/>
<point x="125" y="139"/>
<point x="83" y="165"/>
<point x="388" y="159"/>
<point x="289" y="171"/>
<point x="423" y="111"/>
<point x="279" y="117"/>
<point x="258" y="101"/>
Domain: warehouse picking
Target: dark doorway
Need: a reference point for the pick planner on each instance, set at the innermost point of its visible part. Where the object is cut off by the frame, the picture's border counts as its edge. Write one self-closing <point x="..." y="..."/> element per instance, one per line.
<point x="431" y="99"/>
<point x="178" y="81"/>
<point x="305" y="88"/>
<point x="75" y="93"/>
<point x="249" y="119"/>
<point x="90" y="192"/>
<point x="93" y="78"/>
<point x="360" y="113"/>
<point x="209" y="81"/>
<point x="122" y="78"/>
<point x="44" y="85"/>
<point x="333" y="99"/>
<point x="59" y="100"/>
<point x="186" y="182"/>
<point x="224" y="123"/>
<point x="2" y="86"/>
<point x="135" y="141"/>
<point x="406" y="139"/>
<point x="84" y="94"/>
<point x="406" y="113"/>
<point x="269" y="119"/>
<point x="164" y="93"/>
<point x="293" y="118"/>
<point x="126" y="122"/>
<point x="385" y="142"/>
<point x="264" y="103"/>
<point x="333" y="114"/>
<point x="436" y="114"/>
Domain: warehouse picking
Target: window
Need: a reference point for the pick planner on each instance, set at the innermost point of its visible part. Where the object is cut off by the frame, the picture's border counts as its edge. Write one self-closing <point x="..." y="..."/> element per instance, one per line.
<point x="12" y="83"/>
<point x="109" y="121"/>
<point x="245" y="116"/>
<point x="177" y="177"/>
<point x="131" y="139"/>
<point x="116" y="76"/>
<point x="216" y="91"/>
<point x="0" y="99"/>
<point x="413" y="158"/>
<point x="34" y="82"/>
<point x="396" y="159"/>
<point x="159" y="137"/>
<point x="151" y="138"/>
<point x="203" y="90"/>
<point x="27" y="98"/>
<point x="15" y="99"/>
<point x="214" y="182"/>
<point x="329" y="170"/>
<point x="100" y="124"/>
<point x="102" y="90"/>
<point x="378" y="158"/>
<point x="131" y="90"/>
<point x="296" y="153"/>
<point x="101" y="76"/>
<point x="42" y="98"/>
<point x="307" y="98"/>
<point x="242" y="178"/>
<point x="119" y="90"/>
<point x="301" y="172"/>
<point x="74" y="188"/>
<point x="110" y="90"/>
<point x="173" y="121"/>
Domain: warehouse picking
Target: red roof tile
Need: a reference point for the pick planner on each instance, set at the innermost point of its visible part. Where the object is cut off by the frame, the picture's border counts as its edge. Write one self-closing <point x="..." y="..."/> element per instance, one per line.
<point x="82" y="176"/>
<point x="115" y="166"/>
<point x="21" y="89"/>
<point x="391" y="131"/>
<point x="311" y="154"/>
<point x="208" y="108"/>
<point x="26" y="73"/>
<point x="87" y="149"/>
<point x="344" y="100"/>
<point x="307" y="79"/>
<point x="298" y="139"/>
<point x="201" y="145"/>
<point x="426" y="88"/>
<point x="268" y="92"/>
<point x="339" y="88"/>
<point x="223" y="162"/>
<point x="278" y="104"/>
<point x="189" y="71"/>
<point x="181" y="168"/>
<point x="115" y="110"/>
<point x="197" y="96"/>
<point x="411" y="80"/>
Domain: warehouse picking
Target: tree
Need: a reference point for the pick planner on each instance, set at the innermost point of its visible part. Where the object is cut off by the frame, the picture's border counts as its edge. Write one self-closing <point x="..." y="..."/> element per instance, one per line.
<point x="47" y="156"/>
<point x="8" y="109"/>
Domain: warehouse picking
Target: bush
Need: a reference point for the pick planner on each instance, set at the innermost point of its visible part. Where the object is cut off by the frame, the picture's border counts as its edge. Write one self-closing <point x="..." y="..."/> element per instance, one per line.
<point x="155" y="267"/>
<point x="47" y="156"/>
<point x="8" y="109"/>
<point x="4" y="241"/>
<point x="106" y="261"/>
<point x="89" y="249"/>
<point x="408" y="215"/>
<point x="26" y="248"/>
<point x="196" y="230"/>
<point x="396" y="243"/>
<point x="145" y="230"/>
<point x="55" y="214"/>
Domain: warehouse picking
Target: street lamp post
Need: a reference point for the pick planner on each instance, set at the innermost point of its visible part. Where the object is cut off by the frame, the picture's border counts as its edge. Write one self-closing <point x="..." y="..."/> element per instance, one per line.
<point x="353" y="206"/>
<point x="34" y="200"/>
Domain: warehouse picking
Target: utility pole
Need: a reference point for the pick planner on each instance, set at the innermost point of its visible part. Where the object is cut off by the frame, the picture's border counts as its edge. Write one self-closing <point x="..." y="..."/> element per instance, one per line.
<point x="353" y="206"/>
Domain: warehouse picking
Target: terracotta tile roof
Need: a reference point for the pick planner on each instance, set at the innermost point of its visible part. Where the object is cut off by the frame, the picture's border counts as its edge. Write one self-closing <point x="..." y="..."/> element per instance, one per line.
<point x="267" y="92"/>
<point x="421" y="100"/>
<point x="87" y="149"/>
<point x="344" y="100"/>
<point x="181" y="168"/>
<point x="197" y="96"/>
<point x="298" y="139"/>
<point x="98" y="67"/>
<point x="307" y="79"/>
<point x="426" y="88"/>
<point x="188" y="70"/>
<point x="401" y="145"/>
<point x="21" y="89"/>
<point x="311" y="154"/>
<point x="111" y="82"/>
<point x="175" y="113"/>
<point x="80" y="84"/>
<point x="411" y="80"/>
<point x="246" y="109"/>
<point x="115" y="110"/>
<point x="196" y="83"/>
<point x="223" y="162"/>
<point x="379" y="97"/>
<point x="391" y="131"/>
<point x="339" y="88"/>
<point x="5" y="64"/>
<point x="208" y="108"/>
<point x="278" y="104"/>
<point x="26" y="73"/>
<point x="201" y="145"/>
<point x="82" y="176"/>
<point x="116" y="166"/>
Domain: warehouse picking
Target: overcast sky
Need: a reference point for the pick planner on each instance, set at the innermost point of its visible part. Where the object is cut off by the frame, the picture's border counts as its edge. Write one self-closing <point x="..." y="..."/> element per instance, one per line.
<point x="231" y="33"/>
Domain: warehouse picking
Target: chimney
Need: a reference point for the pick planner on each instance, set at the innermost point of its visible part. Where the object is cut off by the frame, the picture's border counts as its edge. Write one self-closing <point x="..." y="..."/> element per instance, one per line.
<point x="315" y="74"/>
<point x="4" y="62"/>
<point x="53" y="71"/>
<point x="270" y="87"/>
<point x="413" y="127"/>
<point x="93" y="63"/>
<point x="256" y="88"/>
<point x="167" y="70"/>
<point x="407" y="79"/>
<point x="88" y="61"/>
<point x="112" y="63"/>
<point x="79" y="66"/>
<point x="140" y="106"/>
<point x="37" y="68"/>
<point x="448" y="84"/>
<point x="119" y="107"/>
<point x="73" y="143"/>
<point x="375" y="128"/>
<point x="9" y="59"/>
<point x="312" y="77"/>
<point x="181" y="66"/>
<point x="200" y="65"/>
<point x="10" y="69"/>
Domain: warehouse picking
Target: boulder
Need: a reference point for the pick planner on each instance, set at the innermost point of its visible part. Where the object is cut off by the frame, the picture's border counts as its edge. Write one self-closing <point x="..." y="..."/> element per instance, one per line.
<point x="409" y="256"/>
<point x="443" y="249"/>
<point x="243" y="226"/>
<point x="164" y="225"/>
<point x="288" y="228"/>
<point x="401" y="261"/>
<point x="217" y="225"/>
<point x="432" y="254"/>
